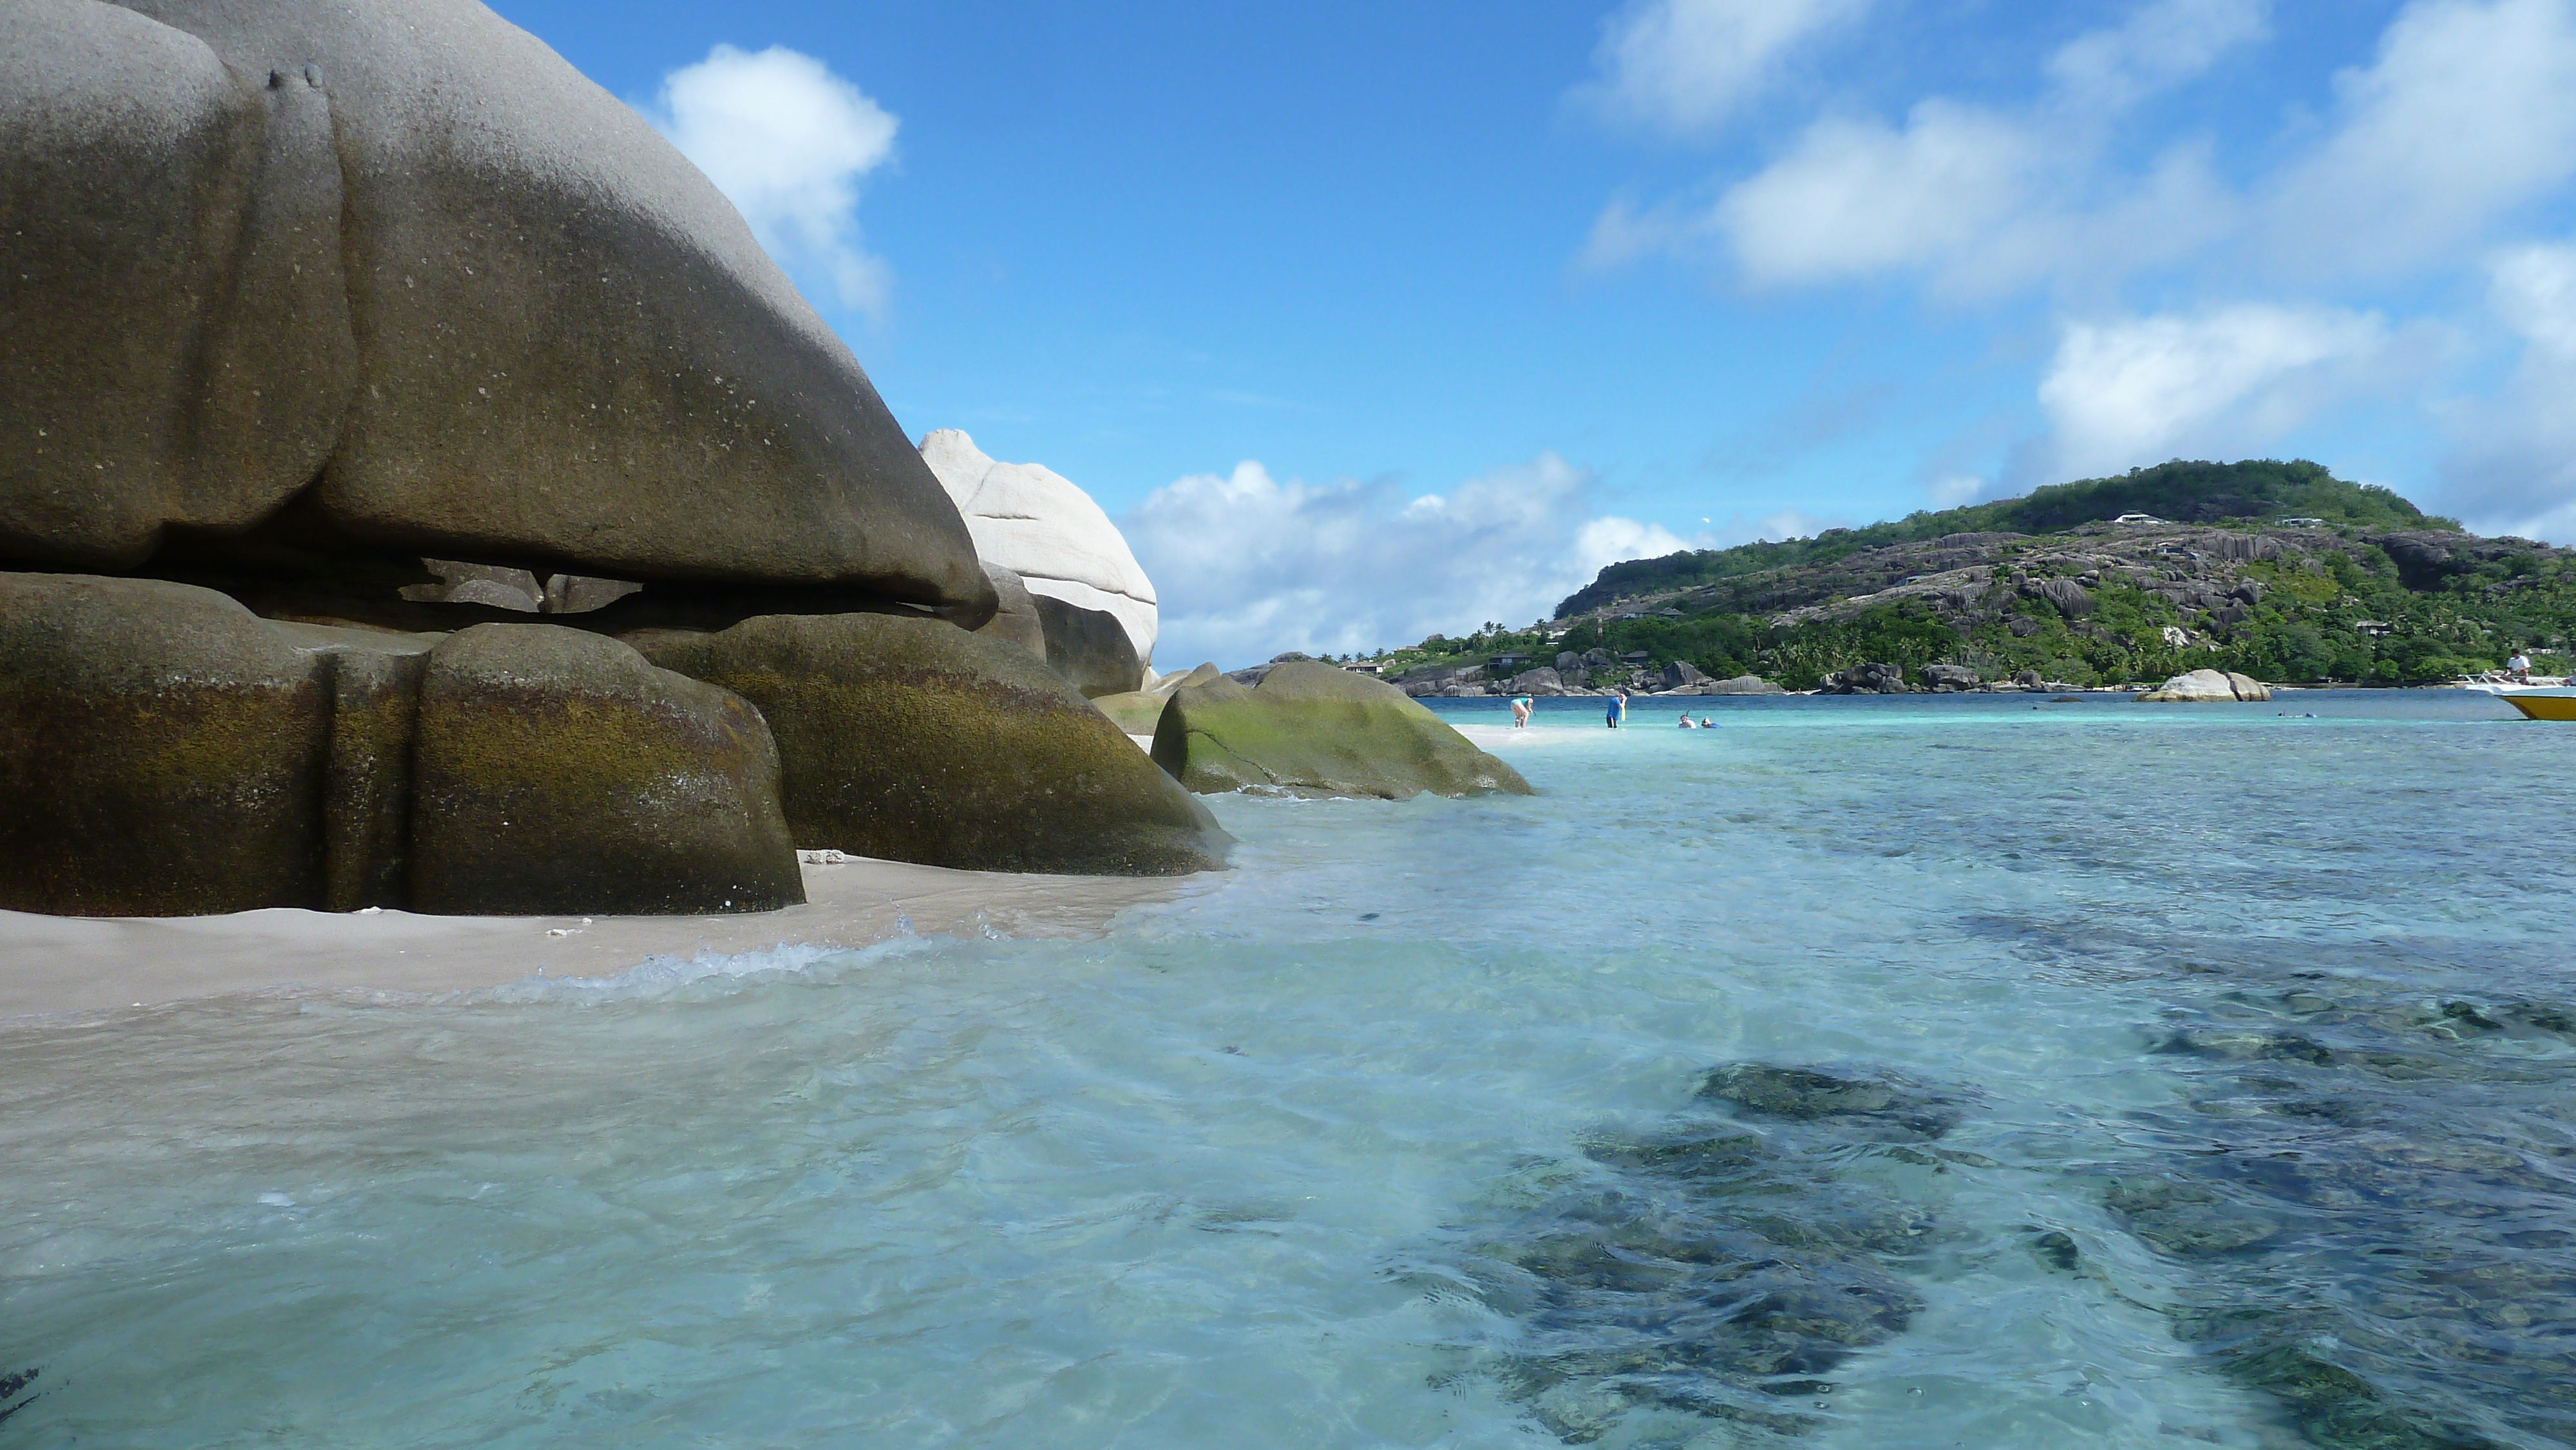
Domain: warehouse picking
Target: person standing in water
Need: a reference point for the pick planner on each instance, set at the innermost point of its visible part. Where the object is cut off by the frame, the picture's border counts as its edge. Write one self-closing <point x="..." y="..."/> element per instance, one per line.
<point x="1521" y="708"/>
<point x="1617" y="710"/>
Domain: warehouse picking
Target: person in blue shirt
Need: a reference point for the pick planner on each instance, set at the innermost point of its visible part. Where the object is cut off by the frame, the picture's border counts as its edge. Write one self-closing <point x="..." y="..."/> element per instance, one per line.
<point x="1618" y="709"/>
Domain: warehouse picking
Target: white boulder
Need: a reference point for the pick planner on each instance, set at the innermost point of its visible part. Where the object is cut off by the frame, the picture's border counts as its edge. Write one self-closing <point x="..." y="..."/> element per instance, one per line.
<point x="2206" y="686"/>
<point x="1035" y="522"/>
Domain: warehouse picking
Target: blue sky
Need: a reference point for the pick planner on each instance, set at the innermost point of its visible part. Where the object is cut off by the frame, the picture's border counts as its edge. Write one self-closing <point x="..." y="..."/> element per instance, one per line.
<point x="1371" y="320"/>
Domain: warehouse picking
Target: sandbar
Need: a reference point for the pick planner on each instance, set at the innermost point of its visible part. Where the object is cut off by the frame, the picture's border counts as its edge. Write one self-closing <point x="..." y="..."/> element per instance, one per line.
<point x="75" y="964"/>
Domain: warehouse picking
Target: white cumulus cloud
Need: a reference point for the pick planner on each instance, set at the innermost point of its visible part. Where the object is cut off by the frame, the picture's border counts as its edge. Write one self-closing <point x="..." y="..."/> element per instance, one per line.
<point x="2533" y="289"/>
<point x="1976" y="198"/>
<point x="1688" y="65"/>
<point x="788" y="142"/>
<point x="2468" y="112"/>
<point x="2159" y="45"/>
<point x="2223" y="383"/>
<point x="1247" y="565"/>
<point x="2512" y="463"/>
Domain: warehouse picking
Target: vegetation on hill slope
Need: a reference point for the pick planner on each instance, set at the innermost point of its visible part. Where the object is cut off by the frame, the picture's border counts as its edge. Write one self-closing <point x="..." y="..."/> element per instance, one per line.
<point x="2378" y="593"/>
<point x="2186" y="493"/>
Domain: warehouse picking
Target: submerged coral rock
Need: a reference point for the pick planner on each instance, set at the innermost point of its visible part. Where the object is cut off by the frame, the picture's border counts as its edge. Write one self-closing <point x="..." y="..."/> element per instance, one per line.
<point x="2206" y="686"/>
<point x="910" y="740"/>
<point x="165" y="752"/>
<point x="1882" y="1101"/>
<point x="402" y="266"/>
<point x="1316" y="729"/>
<point x="1702" y="1270"/>
<point x="556" y="772"/>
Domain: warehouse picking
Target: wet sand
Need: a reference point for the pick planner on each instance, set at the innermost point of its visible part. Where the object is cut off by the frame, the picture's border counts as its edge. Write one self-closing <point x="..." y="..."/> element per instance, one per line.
<point x="71" y="964"/>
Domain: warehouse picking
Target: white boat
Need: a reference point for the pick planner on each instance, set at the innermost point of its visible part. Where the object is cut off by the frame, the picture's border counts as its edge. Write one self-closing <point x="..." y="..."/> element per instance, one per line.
<point x="2497" y="682"/>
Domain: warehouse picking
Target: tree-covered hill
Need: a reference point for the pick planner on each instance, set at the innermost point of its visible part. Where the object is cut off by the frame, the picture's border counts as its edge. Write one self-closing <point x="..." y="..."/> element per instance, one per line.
<point x="2277" y="570"/>
<point x="2178" y="492"/>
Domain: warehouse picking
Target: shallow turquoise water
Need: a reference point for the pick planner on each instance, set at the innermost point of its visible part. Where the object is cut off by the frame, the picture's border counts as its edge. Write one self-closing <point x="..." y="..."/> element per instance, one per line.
<point x="2206" y="1081"/>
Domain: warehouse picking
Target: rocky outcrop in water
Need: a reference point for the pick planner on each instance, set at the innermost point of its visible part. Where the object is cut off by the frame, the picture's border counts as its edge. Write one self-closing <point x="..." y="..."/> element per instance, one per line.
<point x="2398" y="1278"/>
<point x="1872" y="679"/>
<point x="914" y="741"/>
<point x="1315" y="729"/>
<point x="1719" y="1267"/>
<point x="2208" y="686"/>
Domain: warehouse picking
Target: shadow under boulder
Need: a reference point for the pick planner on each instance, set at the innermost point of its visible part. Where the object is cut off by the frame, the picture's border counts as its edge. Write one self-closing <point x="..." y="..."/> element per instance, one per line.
<point x="915" y="741"/>
<point x="1315" y="729"/>
<point x="1089" y="647"/>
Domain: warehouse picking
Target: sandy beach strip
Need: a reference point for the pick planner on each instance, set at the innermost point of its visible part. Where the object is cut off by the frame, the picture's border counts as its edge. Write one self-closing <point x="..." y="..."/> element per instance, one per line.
<point x="74" y="964"/>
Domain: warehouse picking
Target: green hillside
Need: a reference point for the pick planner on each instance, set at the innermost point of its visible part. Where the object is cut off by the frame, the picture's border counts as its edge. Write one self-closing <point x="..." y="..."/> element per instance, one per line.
<point x="2366" y="588"/>
<point x="2179" y="492"/>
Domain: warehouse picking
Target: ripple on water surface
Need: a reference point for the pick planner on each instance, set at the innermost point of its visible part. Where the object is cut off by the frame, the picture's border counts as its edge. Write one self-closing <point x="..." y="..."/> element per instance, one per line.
<point x="1858" y="1074"/>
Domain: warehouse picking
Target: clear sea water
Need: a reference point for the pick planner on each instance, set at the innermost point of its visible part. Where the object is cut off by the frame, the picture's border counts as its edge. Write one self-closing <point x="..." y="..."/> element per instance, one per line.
<point x="1966" y="1071"/>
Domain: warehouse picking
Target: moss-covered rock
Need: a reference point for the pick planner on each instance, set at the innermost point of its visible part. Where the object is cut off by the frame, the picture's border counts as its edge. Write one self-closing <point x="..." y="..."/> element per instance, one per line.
<point x="909" y="739"/>
<point x="165" y="752"/>
<point x="160" y="752"/>
<point x="1315" y="729"/>
<point x="557" y="771"/>
<point x="1136" y="712"/>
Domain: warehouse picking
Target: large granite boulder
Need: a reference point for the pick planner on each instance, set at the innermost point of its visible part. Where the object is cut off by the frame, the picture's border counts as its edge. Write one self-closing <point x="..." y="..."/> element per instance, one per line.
<point x="555" y="771"/>
<point x="1681" y="673"/>
<point x="1090" y="648"/>
<point x="2208" y="687"/>
<point x="164" y="752"/>
<point x="1016" y="618"/>
<point x="1040" y="525"/>
<point x="300" y="283"/>
<point x="1742" y="685"/>
<point x="1138" y="711"/>
<point x="1950" y="679"/>
<point x="1869" y="679"/>
<point x="158" y="751"/>
<point x="1315" y="729"/>
<point x="907" y="739"/>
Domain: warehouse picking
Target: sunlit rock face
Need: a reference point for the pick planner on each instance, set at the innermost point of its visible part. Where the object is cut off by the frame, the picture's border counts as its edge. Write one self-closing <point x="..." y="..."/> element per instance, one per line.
<point x="294" y="285"/>
<point x="1035" y="522"/>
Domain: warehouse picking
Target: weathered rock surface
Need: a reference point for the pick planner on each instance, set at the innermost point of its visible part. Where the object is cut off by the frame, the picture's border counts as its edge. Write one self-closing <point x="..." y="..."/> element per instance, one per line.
<point x="1679" y="673"/>
<point x="1016" y="620"/>
<point x="1950" y="679"/>
<point x="555" y="771"/>
<point x="1138" y="711"/>
<point x="1315" y="729"/>
<point x="1697" y="1282"/>
<point x="1040" y="525"/>
<point x="2206" y="686"/>
<point x="157" y="752"/>
<point x="1090" y="648"/>
<point x="1876" y="679"/>
<point x="165" y="752"/>
<point x="909" y="740"/>
<point x="329" y="282"/>
<point x="1742" y="685"/>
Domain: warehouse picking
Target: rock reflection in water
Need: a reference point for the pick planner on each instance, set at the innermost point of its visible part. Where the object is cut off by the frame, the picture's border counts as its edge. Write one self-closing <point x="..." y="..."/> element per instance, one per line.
<point x="2384" y="1193"/>
<point x="1720" y="1266"/>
